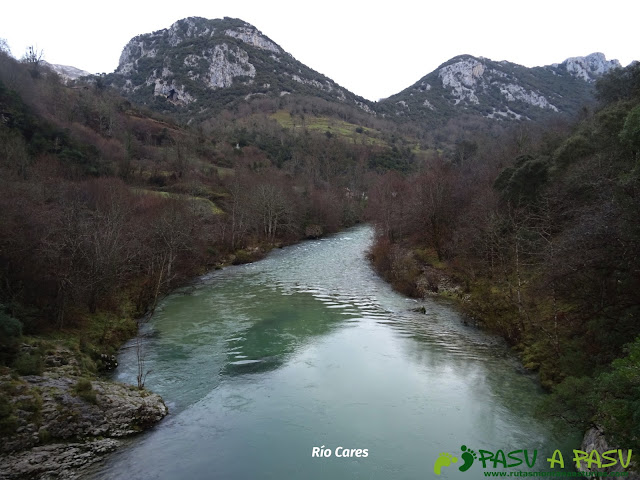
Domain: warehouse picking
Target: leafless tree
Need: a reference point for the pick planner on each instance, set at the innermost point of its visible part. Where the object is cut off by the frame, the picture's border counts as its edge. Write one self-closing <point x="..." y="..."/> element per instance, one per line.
<point x="141" y="376"/>
<point x="33" y="57"/>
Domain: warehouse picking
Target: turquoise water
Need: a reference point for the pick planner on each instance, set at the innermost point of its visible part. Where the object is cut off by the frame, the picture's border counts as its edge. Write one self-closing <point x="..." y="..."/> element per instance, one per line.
<point x="308" y="348"/>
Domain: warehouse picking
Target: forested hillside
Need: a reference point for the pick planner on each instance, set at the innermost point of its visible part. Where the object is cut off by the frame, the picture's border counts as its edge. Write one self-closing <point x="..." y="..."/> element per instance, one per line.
<point x="538" y="234"/>
<point x="105" y="206"/>
<point x="198" y="67"/>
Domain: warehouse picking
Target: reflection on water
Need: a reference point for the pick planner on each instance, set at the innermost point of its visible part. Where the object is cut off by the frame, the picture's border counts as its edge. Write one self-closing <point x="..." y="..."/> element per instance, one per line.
<point x="262" y="362"/>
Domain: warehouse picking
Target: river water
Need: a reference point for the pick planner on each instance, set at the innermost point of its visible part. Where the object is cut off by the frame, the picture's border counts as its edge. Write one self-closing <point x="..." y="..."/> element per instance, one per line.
<point x="307" y="348"/>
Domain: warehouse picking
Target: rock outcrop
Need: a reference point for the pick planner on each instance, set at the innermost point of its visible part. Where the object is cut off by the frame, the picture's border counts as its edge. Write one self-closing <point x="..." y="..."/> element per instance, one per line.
<point x="589" y="68"/>
<point x="595" y="439"/>
<point x="64" y="423"/>
<point x="195" y="62"/>
<point x="66" y="72"/>
<point x="468" y="85"/>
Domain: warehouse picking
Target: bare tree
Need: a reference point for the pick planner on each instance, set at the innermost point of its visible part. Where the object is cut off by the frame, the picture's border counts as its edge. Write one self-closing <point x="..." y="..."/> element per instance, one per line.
<point x="141" y="376"/>
<point x="33" y="57"/>
<point x="4" y="46"/>
<point x="271" y="209"/>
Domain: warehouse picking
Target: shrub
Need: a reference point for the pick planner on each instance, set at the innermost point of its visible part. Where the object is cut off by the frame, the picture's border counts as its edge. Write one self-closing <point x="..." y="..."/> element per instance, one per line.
<point x="29" y="363"/>
<point x="10" y="332"/>
<point x="8" y="422"/>
<point x="84" y="389"/>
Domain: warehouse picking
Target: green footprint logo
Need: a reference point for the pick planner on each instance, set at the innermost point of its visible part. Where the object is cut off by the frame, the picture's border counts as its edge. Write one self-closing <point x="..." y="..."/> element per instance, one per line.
<point x="444" y="460"/>
<point x="468" y="456"/>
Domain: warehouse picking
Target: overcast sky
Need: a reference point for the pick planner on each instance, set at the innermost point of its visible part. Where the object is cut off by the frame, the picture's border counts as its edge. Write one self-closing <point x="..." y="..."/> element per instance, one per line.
<point x="372" y="49"/>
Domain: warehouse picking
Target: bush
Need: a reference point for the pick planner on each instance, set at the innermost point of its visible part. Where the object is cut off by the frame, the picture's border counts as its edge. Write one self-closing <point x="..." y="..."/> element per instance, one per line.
<point x="8" y="422"/>
<point x="84" y="389"/>
<point x="10" y="333"/>
<point x="574" y="148"/>
<point x="244" y="256"/>
<point x="29" y="363"/>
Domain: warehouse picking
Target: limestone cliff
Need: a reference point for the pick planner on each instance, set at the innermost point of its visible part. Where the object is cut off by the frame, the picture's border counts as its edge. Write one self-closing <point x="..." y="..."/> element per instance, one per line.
<point x="201" y="65"/>
<point x="589" y="68"/>
<point x="499" y="90"/>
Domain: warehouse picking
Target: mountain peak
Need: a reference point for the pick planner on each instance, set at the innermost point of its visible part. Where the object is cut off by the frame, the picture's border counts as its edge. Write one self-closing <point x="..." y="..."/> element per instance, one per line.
<point x="501" y="90"/>
<point x="66" y="72"/>
<point x="589" y="68"/>
<point x="214" y="63"/>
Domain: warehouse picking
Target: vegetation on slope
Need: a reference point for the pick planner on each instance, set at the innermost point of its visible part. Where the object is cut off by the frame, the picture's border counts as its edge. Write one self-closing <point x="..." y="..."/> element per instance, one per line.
<point x="540" y="231"/>
<point x="104" y="206"/>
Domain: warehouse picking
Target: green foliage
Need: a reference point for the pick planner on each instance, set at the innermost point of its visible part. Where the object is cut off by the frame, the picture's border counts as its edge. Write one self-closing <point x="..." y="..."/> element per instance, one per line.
<point x="84" y="389"/>
<point x="10" y="333"/>
<point x="523" y="183"/>
<point x="573" y="400"/>
<point x="491" y="307"/>
<point x="607" y="124"/>
<point x="29" y="362"/>
<point x="611" y="399"/>
<point x="44" y="436"/>
<point x="575" y="147"/>
<point x="630" y="134"/>
<point x="619" y="397"/>
<point x="8" y="420"/>
<point x="619" y="84"/>
<point x="392" y="159"/>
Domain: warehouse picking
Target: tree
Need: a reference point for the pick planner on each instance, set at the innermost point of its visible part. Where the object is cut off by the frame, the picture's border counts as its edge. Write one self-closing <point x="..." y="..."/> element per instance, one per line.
<point x="271" y="208"/>
<point x="4" y="46"/>
<point x="170" y="231"/>
<point x="388" y="205"/>
<point x="436" y="204"/>
<point x="33" y="58"/>
<point x="237" y="211"/>
<point x="619" y="84"/>
<point x="630" y="134"/>
<point x="141" y="357"/>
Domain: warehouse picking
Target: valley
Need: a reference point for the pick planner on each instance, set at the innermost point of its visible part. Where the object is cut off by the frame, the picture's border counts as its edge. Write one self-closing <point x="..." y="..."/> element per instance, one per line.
<point x="182" y="212"/>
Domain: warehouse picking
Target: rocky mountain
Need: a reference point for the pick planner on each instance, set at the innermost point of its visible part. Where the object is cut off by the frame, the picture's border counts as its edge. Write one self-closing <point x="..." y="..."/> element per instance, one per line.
<point x="199" y="66"/>
<point x="65" y="71"/>
<point x="499" y="90"/>
<point x="588" y="68"/>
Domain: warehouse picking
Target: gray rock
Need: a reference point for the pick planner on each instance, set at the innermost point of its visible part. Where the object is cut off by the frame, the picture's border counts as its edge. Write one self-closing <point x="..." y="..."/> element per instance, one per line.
<point x="595" y="439"/>
<point x="60" y="430"/>
<point x="591" y="67"/>
<point x="61" y="461"/>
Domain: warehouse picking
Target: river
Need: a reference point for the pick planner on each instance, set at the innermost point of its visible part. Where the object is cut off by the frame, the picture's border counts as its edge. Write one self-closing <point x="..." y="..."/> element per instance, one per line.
<point x="260" y="363"/>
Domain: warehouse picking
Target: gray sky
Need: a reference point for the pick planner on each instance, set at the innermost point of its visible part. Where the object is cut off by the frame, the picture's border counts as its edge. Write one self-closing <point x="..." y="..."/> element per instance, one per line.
<point x="374" y="49"/>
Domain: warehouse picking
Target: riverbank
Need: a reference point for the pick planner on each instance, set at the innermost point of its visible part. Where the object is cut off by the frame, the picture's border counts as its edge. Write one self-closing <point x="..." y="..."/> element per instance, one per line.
<point x="310" y="345"/>
<point x="65" y="422"/>
<point x="59" y="414"/>
<point x="491" y="306"/>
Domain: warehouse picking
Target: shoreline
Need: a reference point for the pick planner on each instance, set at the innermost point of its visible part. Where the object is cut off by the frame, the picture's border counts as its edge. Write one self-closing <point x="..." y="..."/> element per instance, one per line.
<point x="68" y="423"/>
<point x="438" y="284"/>
<point x="67" y="417"/>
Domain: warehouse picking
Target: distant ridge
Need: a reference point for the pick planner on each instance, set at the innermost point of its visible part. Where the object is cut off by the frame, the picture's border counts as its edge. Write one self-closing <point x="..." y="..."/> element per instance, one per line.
<point x="198" y="67"/>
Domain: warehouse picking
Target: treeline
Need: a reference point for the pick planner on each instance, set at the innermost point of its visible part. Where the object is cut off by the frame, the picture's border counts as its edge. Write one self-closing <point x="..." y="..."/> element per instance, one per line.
<point x="540" y="231"/>
<point x="105" y="206"/>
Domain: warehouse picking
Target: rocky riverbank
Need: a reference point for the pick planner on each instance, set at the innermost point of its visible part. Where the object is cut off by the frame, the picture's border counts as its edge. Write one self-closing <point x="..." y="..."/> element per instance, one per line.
<point x="439" y="282"/>
<point x="56" y="424"/>
<point x="595" y="439"/>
